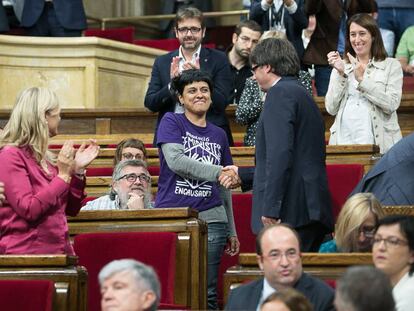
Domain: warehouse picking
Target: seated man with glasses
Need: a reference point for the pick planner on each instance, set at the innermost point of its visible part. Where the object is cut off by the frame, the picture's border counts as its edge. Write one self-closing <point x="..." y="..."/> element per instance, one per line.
<point x="130" y="189"/>
<point x="190" y="30"/>
<point x="393" y="253"/>
<point x="278" y="255"/>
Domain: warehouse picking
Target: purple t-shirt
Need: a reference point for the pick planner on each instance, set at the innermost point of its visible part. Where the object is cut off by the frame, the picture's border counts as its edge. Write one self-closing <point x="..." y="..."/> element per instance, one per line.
<point x="205" y="144"/>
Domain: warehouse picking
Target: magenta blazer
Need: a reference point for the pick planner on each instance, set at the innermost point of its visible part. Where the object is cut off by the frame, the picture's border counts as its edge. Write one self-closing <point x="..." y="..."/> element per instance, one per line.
<point x="33" y="218"/>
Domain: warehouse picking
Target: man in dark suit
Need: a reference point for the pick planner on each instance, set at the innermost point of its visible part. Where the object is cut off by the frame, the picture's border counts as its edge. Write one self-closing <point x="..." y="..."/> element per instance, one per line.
<point x="287" y="16"/>
<point x="57" y="18"/>
<point x="278" y="256"/>
<point x="190" y="30"/>
<point x="391" y="180"/>
<point x="290" y="183"/>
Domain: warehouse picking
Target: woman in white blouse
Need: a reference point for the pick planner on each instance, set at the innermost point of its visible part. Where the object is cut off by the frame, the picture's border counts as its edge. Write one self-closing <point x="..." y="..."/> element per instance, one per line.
<point x="364" y="89"/>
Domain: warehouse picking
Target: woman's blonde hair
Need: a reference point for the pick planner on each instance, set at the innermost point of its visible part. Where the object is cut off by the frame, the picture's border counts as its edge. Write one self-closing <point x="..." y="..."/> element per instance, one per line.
<point x="354" y="212"/>
<point x="27" y="125"/>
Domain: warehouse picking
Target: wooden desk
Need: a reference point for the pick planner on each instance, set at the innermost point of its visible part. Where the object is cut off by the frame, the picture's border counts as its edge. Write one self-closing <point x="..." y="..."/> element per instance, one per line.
<point x="70" y="280"/>
<point x="191" y="264"/>
<point x="399" y="210"/>
<point x="324" y="266"/>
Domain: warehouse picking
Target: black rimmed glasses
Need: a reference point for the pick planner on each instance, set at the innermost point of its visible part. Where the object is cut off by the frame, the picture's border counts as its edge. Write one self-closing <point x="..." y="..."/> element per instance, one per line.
<point x="390" y="241"/>
<point x="367" y="231"/>
<point x="185" y="30"/>
<point x="143" y="178"/>
<point x="254" y="68"/>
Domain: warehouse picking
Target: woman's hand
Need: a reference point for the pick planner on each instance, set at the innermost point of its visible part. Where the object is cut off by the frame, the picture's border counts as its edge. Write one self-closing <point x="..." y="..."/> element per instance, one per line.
<point x="233" y="246"/>
<point x="85" y="155"/>
<point x="359" y="68"/>
<point x="65" y="161"/>
<point x="2" y="196"/>
<point x="335" y="60"/>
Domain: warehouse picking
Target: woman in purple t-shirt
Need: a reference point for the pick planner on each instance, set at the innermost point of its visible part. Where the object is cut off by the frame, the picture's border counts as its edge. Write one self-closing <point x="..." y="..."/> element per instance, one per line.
<point x="193" y="153"/>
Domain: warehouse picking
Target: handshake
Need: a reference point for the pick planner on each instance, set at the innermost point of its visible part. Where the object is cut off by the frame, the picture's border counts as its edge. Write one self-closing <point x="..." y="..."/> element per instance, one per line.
<point x="229" y="177"/>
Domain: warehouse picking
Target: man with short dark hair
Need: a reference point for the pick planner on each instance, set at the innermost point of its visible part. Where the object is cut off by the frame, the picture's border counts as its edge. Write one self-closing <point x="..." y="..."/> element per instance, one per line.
<point x="364" y="289"/>
<point x="245" y="37"/>
<point x="190" y="31"/>
<point x="130" y="189"/>
<point x="129" y="285"/>
<point x="279" y="257"/>
<point x="290" y="183"/>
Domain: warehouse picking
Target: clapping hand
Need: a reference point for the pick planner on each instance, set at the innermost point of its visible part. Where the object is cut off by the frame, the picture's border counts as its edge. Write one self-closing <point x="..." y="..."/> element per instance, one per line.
<point x="2" y="196"/>
<point x="191" y="65"/>
<point x="229" y="177"/>
<point x="175" y="67"/>
<point x="359" y="68"/>
<point x="335" y="60"/>
<point x="65" y="161"/>
<point x="85" y="155"/>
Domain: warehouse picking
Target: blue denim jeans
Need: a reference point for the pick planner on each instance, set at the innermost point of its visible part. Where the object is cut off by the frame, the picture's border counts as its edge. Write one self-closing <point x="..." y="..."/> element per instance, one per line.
<point x="217" y="240"/>
<point x="322" y="76"/>
<point x="397" y="20"/>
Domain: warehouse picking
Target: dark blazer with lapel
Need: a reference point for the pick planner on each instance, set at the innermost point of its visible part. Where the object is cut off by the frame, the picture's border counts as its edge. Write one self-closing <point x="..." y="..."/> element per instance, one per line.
<point x="70" y="13"/>
<point x="294" y="23"/>
<point x="391" y="180"/>
<point x="328" y="16"/>
<point x="4" y="22"/>
<point x="159" y="98"/>
<point x="290" y="180"/>
<point x="247" y="297"/>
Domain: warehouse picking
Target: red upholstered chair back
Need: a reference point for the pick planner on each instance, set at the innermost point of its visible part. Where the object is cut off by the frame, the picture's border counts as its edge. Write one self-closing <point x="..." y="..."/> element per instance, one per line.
<point x="125" y="34"/>
<point x="242" y="209"/>
<point x="33" y="295"/>
<point x="342" y="179"/>
<point x="162" y="44"/>
<point x="157" y="249"/>
<point x="408" y="84"/>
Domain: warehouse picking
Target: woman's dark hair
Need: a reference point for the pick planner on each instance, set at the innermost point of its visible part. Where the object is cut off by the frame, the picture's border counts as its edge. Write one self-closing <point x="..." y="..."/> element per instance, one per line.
<point x="190" y="76"/>
<point x="366" y="21"/>
<point x="131" y="143"/>
<point x="406" y="228"/>
<point x="293" y="299"/>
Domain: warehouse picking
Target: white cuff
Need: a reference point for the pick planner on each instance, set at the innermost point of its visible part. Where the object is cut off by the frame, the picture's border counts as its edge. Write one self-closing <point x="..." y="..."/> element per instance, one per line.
<point x="265" y="5"/>
<point x="292" y="9"/>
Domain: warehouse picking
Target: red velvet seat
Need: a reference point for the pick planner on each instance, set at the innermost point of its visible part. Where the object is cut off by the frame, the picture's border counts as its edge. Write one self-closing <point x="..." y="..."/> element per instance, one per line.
<point x="33" y="295"/>
<point x="99" y="171"/>
<point x="157" y="249"/>
<point x="125" y="34"/>
<point x="408" y="84"/>
<point x="342" y="179"/>
<point x="162" y="44"/>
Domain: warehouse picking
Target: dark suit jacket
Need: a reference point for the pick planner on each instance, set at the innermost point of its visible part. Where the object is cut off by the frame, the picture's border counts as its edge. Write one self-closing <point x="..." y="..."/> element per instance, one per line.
<point x="294" y="23"/>
<point x="247" y="297"/>
<point x="70" y="13"/>
<point x="328" y="16"/>
<point x="4" y="22"/>
<point x="391" y="180"/>
<point x="290" y="180"/>
<point x="159" y="99"/>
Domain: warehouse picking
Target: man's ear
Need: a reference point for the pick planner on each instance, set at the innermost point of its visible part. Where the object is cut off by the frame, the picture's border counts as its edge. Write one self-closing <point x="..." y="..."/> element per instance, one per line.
<point x="260" y="261"/>
<point x="147" y="299"/>
<point x="234" y="38"/>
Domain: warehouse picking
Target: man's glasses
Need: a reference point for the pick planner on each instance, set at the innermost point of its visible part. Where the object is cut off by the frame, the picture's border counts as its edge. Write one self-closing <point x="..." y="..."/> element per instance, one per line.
<point x="276" y="256"/>
<point x="130" y="156"/>
<point x="254" y="68"/>
<point x="133" y="178"/>
<point x="193" y="30"/>
<point x="389" y="241"/>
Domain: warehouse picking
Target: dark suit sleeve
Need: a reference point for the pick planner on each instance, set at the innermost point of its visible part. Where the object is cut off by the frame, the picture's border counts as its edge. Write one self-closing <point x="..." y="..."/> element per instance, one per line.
<point x="299" y="17"/>
<point x="256" y="12"/>
<point x="222" y="83"/>
<point x="158" y="96"/>
<point x="313" y="6"/>
<point x="279" y="118"/>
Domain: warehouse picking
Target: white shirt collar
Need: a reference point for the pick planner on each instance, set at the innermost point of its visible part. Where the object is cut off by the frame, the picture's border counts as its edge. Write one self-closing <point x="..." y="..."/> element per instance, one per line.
<point x="266" y="292"/>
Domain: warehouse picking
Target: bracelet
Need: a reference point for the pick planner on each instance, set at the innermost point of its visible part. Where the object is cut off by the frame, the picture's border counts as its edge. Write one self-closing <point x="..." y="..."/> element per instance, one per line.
<point x="81" y="175"/>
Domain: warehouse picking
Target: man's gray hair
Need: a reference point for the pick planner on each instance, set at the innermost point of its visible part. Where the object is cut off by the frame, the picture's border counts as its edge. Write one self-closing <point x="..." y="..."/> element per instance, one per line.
<point x="364" y="288"/>
<point x="279" y="54"/>
<point x="145" y="276"/>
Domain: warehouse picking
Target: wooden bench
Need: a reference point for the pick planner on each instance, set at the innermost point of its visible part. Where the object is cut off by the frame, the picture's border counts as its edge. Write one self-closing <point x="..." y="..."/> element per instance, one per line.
<point x="324" y="266"/>
<point x="399" y="210"/>
<point x="70" y="280"/>
<point x="366" y="155"/>
<point x="191" y="252"/>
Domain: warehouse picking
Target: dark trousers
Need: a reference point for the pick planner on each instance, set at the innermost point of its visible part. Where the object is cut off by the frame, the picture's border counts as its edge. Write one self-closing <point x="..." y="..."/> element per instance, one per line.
<point x="49" y="26"/>
<point x="311" y="236"/>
